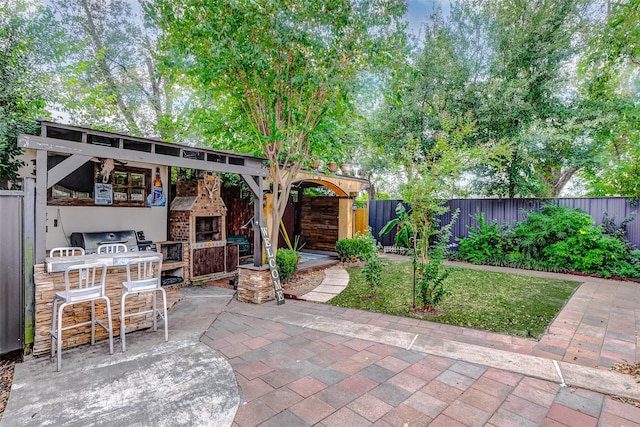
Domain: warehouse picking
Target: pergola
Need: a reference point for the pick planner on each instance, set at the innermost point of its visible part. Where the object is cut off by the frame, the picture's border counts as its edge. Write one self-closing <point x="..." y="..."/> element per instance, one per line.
<point x="81" y="145"/>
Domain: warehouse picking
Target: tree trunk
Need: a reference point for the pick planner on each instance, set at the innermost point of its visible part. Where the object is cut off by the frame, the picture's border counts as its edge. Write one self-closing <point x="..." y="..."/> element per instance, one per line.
<point x="562" y="180"/>
<point x="371" y="191"/>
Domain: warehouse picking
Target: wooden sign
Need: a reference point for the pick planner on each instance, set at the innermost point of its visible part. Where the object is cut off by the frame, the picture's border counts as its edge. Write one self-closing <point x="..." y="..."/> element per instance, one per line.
<point x="271" y="259"/>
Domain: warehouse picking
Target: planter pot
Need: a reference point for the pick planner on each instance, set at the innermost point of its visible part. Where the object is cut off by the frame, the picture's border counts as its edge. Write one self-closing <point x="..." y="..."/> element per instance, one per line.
<point x="346" y="168"/>
<point x="315" y="164"/>
<point x="332" y="166"/>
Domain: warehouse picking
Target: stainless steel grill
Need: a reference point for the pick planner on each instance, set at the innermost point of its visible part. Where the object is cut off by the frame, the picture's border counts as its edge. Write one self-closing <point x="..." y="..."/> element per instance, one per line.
<point x="91" y="241"/>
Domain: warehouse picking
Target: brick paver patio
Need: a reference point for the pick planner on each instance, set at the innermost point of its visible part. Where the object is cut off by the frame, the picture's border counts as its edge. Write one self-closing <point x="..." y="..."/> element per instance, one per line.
<point x="296" y="376"/>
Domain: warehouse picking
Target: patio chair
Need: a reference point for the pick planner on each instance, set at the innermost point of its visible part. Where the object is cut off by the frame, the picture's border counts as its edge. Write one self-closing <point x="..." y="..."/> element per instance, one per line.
<point x="86" y="285"/>
<point x="112" y="248"/>
<point x="66" y="251"/>
<point x="147" y="279"/>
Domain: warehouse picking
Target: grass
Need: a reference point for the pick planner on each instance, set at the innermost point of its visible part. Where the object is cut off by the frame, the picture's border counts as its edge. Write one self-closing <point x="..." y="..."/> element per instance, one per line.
<point x="511" y="304"/>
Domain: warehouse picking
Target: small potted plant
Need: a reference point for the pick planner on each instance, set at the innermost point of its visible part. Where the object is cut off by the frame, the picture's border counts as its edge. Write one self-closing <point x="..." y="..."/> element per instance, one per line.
<point x="345" y="168"/>
<point x="314" y="164"/>
<point x="332" y="166"/>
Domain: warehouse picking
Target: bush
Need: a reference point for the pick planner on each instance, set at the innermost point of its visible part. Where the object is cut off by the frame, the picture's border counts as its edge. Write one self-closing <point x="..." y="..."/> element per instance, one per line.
<point x="554" y="239"/>
<point x="484" y="244"/>
<point x="372" y="270"/>
<point x="548" y="226"/>
<point x="287" y="262"/>
<point x="362" y="247"/>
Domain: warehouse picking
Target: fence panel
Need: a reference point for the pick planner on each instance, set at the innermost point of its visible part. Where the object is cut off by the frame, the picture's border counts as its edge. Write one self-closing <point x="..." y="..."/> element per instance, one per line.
<point x="11" y="275"/>
<point x="510" y="211"/>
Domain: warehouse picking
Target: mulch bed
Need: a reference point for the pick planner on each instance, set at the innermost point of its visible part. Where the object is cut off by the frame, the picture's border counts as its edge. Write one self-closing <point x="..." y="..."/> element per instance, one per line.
<point x="302" y="282"/>
<point x="7" y="362"/>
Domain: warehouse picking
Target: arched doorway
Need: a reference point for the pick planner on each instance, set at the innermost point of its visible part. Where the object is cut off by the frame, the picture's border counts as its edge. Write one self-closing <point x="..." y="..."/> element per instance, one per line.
<point x="320" y="218"/>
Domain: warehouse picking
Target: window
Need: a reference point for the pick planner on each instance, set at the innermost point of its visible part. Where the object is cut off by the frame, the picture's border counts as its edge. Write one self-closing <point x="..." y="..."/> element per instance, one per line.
<point x="130" y="188"/>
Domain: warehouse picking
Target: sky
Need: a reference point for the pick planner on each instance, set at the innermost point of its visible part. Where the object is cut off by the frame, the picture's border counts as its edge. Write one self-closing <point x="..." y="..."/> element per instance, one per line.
<point x="419" y="10"/>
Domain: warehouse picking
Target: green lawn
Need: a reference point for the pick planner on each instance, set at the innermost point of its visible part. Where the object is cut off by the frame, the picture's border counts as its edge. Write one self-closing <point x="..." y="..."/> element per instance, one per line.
<point x="506" y="303"/>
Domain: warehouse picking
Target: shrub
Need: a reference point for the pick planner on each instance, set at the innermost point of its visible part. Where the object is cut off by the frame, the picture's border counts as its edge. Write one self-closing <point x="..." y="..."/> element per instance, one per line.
<point x="432" y="274"/>
<point x="554" y="239"/>
<point x="287" y="262"/>
<point x="484" y="244"/>
<point x="372" y="270"/>
<point x="362" y="247"/>
<point x="548" y="226"/>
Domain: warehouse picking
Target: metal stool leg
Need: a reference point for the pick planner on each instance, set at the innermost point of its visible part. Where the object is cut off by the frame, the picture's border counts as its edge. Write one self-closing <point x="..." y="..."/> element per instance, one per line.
<point x="166" y="319"/>
<point x="155" y="311"/>
<point x="54" y="334"/>
<point x="110" y="325"/>
<point x="122" y="324"/>
<point x="59" y="335"/>
<point x="93" y="322"/>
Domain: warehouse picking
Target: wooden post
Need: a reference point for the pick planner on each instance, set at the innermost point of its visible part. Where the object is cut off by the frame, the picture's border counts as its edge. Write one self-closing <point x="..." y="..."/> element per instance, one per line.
<point x="28" y="227"/>
<point x="271" y="259"/>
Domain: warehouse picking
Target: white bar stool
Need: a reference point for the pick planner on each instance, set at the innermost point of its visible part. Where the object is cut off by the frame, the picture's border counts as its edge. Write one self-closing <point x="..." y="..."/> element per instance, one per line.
<point x="66" y="251"/>
<point x="112" y="248"/>
<point x="86" y="287"/>
<point x="148" y="280"/>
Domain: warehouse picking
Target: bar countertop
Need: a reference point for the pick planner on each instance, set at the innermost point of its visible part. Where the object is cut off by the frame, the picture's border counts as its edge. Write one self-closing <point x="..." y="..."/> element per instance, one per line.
<point x="60" y="264"/>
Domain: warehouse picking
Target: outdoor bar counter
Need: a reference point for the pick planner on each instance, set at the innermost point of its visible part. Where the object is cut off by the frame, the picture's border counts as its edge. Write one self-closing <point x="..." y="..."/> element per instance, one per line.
<point x="49" y="279"/>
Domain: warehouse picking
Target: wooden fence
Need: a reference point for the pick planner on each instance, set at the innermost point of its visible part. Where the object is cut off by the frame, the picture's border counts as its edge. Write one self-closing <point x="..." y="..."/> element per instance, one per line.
<point x="510" y="211"/>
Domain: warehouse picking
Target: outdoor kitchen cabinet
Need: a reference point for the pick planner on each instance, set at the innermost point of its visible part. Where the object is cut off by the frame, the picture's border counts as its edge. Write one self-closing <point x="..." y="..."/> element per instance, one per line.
<point x="175" y="261"/>
<point x="208" y="261"/>
<point x="233" y="258"/>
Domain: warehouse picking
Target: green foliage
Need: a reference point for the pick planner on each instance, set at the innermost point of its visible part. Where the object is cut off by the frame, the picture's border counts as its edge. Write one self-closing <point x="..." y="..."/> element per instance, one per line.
<point x="362" y="247"/>
<point x="401" y="224"/>
<point x="432" y="274"/>
<point x="610" y="69"/>
<point x="372" y="271"/>
<point x="508" y="78"/>
<point x="512" y="304"/>
<point x="287" y="261"/>
<point x="485" y="243"/>
<point x="548" y="226"/>
<point x="436" y="172"/>
<point x="297" y="246"/>
<point x="23" y="38"/>
<point x="554" y="239"/>
<point x="619" y="231"/>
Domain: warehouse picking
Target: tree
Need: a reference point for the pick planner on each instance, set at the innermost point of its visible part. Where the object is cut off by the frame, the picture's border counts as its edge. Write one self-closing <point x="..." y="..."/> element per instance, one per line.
<point x="279" y="70"/>
<point x="508" y="63"/>
<point x="438" y="171"/>
<point x="612" y="89"/>
<point x="112" y="76"/>
<point x="529" y="99"/>
<point x="22" y="94"/>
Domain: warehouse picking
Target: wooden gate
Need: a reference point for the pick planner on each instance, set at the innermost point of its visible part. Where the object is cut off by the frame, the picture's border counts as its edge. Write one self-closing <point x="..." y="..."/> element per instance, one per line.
<point x="319" y="222"/>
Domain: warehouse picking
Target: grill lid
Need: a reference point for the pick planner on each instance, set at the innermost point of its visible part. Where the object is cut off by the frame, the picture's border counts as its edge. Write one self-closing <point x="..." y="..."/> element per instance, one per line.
<point x="91" y="241"/>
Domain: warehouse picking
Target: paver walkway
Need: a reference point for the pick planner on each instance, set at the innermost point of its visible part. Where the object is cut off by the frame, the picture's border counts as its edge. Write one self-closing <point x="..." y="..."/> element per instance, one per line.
<point x="293" y="374"/>
<point x="334" y="282"/>
<point x="597" y="327"/>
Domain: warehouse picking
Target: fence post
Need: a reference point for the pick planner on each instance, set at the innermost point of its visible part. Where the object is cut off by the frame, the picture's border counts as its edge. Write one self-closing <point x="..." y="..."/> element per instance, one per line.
<point x="29" y="188"/>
